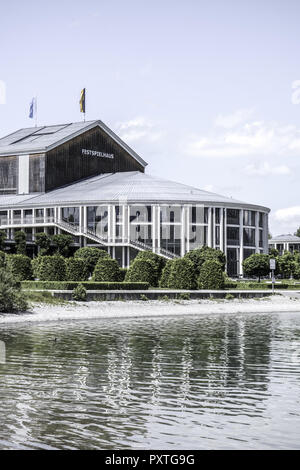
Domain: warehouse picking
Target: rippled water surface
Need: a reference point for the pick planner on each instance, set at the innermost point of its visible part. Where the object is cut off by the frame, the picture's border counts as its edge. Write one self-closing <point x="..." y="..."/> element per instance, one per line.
<point x="218" y="381"/>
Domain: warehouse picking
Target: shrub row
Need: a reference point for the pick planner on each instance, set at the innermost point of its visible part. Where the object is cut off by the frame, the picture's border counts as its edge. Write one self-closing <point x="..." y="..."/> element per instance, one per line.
<point x="70" y="285"/>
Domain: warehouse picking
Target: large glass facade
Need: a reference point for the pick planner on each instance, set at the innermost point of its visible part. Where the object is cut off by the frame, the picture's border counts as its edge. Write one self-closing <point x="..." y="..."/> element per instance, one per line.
<point x="97" y="220"/>
<point x="70" y="215"/>
<point x="8" y="175"/>
<point x="36" y="173"/>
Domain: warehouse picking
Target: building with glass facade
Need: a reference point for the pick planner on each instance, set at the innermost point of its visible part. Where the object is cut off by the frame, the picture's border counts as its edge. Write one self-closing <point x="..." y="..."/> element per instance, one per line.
<point x="84" y="180"/>
<point x="284" y="243"/>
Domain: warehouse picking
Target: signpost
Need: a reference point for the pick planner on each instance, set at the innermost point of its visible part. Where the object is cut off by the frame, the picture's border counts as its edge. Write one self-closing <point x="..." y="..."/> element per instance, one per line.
<point x="272" y="268"/>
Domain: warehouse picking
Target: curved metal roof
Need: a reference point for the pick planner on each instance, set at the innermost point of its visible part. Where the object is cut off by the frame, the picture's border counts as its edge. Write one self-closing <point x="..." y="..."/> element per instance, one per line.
<point x="288" y="238"/>
<point x="44" y="138"/>
<point x="131" y="187"/>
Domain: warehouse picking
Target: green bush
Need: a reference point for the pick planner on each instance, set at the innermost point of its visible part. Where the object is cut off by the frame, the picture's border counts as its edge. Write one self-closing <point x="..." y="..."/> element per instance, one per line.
<point x="200" y="255"/>
<point x="229" y="296"/>
<point x="20" y="241"/>
<point x="79" y="293"/>
<point x="63" y="243"/>
<point x="183" y="296"/>
<point x="164" y="280"/>
<point x="3" y="237"/>
<point x="144" y="297"/>
<point x="89" y="285"/>
<point x="123" y="272"/>
<point x="142" y="270"/>
<point x="2" y="259"/>
<point x="106" y="270"/>
<point x="51" y="268"/>
<point x="20" y="266"/>
<point x="91" y="255"/>
<point x="182" y="274"/>
<point x="43" y="242"/>
<point x="76" y="270"/>
<point x="158" y="261"/>
<point x="211" y="275"/>
<point x="11" y="296"/>
<point x="257" y="264"/>
<point x="230" y="284"/>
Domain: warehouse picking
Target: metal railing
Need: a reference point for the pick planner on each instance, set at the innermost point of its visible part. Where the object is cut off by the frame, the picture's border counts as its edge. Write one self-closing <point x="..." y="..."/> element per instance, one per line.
<point x="75" y="229"/>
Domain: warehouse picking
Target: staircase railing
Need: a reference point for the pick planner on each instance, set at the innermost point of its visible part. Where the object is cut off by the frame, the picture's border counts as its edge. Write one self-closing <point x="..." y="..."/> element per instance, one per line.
<point x="75" y="229"/>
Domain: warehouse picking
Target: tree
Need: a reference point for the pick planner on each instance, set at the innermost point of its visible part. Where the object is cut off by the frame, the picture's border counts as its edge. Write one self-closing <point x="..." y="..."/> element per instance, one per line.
<point x="286" y="264"/>
<point x="164" y="280"/>
<point x="63" y="243"/>
<point x="211" y="275"/>
<point x="200" y="255"/>
<point x="50" y="268"/>
<point x="11" y="297"/>
<point x="158" y="261"/>
<point x="257" y="264"/>
<point x="20" y="266"/>
<point x="106" y="270"/>
<point x="91" y="255"/>
<point x="20" y="241"/>
<point x="182" y="274"/>
<point x="3" y="237"/>
<point x="142" y="270"/>
<point x="76" y="270"/>
<point x="297" y="233"/>
<point x="43" y="242"/>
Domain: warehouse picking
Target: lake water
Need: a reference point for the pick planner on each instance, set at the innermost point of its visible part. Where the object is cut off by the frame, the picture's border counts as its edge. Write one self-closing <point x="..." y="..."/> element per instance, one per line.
<point x="209" y="382"/>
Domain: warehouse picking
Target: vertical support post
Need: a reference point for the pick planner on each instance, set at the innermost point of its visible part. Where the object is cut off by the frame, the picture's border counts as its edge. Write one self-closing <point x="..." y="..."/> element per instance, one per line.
<point x="209" y="238"/>
<point x="241" y="241"/>
<point x="182" y="231"/>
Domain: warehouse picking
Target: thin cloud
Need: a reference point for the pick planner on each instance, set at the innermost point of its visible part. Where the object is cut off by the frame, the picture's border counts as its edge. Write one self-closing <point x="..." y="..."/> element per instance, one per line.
<point x="139" y="128"/>
<point x="255" y="138"/>
<point x="266" y="169"/>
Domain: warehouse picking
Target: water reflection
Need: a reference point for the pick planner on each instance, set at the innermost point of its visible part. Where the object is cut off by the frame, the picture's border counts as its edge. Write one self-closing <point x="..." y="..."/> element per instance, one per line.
<point x="221" y="381"/>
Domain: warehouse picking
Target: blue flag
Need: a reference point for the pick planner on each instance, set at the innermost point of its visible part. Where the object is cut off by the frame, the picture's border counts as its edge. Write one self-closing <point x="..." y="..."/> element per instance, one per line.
<point x="32" y="109"/>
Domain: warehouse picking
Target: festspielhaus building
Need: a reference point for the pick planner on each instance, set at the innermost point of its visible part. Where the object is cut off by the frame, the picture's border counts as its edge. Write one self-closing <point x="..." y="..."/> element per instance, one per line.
<point x="82" y="179"/>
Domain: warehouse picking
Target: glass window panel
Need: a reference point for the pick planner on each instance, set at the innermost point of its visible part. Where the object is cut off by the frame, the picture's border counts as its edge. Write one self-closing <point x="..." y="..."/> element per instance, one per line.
<point x="233" y="236"/>
<point x="233" y="216"/>
<point x="140" y="214"/>
<point x="70" y="215"/>
<point x="170" y="214"/>
<point x="199" y="215"/>
<point x="8" y="175"/>
<point x="249" y="236"/>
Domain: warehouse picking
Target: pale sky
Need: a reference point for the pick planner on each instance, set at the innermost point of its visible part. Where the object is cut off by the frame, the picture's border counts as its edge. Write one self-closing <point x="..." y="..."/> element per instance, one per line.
<point x="207" y="92"/>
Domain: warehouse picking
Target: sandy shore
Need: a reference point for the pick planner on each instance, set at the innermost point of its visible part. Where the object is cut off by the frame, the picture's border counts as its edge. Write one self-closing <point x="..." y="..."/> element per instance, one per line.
<point x="132" y="309"/>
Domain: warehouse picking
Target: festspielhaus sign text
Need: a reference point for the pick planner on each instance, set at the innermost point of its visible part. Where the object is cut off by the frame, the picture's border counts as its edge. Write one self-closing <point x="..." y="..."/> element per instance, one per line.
<point x="95" y="153"/>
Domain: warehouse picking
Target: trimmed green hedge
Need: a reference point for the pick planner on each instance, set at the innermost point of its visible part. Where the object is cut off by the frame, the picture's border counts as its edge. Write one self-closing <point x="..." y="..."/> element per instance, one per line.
<point x="182" y="274"/>
<point x="91" y="256"/>
<point x="106" y="270"/>
<point x="70" y="285"/>
<point x="142" y="270"/>
<point x="76" y="270"/>
<point x="20" y="266"/>
<point x="158" y="262"/>
<point x="164" y="280"/>
<point x="211" y="275"/>
<point x="49" y="268"/>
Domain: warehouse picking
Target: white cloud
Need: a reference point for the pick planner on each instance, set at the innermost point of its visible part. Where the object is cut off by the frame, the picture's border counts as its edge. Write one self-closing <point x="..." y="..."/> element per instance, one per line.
<point x="137" y="129"/>
<point x="266" y="169"/>
<point x="288" y="214"/>
<point x="255" y="138"/>
<point x="229" y="121"/>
